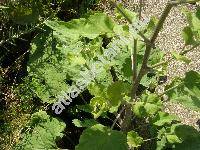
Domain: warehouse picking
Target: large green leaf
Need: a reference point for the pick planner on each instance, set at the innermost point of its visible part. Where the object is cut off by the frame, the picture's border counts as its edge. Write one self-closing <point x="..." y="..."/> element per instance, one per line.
<point x="48" y="68"/>
<point x="61" y="55"/>
<point x="186" y="91"/>
<point x="116" y="92"/>
<point x="189" y="137"/>
<point x="91" y="27"/>
<point x="45" y="130"/>
<point x="99" y="137"/>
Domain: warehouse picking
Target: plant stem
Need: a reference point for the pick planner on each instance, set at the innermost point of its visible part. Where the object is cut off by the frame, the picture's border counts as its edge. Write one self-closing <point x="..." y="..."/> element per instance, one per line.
<point x="134" y="61"/>
<point x="149" y="47"/>
<point x="126" y="125"/>
<point x="159" y="64"/>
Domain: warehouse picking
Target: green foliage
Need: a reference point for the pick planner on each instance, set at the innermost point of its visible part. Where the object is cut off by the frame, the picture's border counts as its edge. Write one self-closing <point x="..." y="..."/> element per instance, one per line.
<point x="189" y="137"/>
<point x="191" y="33"/>
<point x="51" y="50"/>
<point x="43" y="133"/>
<point x="133" y="139"/>
<point x="186" y="90"/>
<point x="91" y="27"/>
<point x="181" y="58"/>
<point x="130" y="15"/>
<point x="64" y="50"/>
<point x="117" y="91"/>
<point x="105" y="139"/>
<point x="149" y="105"/>
<point x="43" y="65"/>
<point x="163" y="118"/>
<point x="99" y="105"/>
<point x="84" y="123"/>
<point x="188" y="36"/>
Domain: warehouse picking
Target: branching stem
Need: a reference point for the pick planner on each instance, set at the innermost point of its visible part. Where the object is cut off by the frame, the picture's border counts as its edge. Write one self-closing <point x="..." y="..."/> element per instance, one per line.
<point x="144" y="67"/>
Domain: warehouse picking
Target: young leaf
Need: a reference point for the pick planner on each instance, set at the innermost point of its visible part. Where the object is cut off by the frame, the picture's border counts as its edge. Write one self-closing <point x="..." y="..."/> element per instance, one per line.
<point x="161" y="143"/>
<point x="173" y="139"/>
<point x="150" y="105"/>
<point x="139" y="109"/>
<point x="133" y="139"/>
<point x="99" y="106"/>
<point x="188" y="36"/>
<point x="129" y="14"/>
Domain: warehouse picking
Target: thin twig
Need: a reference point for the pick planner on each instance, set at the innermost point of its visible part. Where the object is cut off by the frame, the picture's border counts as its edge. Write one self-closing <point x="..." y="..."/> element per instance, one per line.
<point x="117" y="117"/>
<point x="160" y="64"/>
<point x="150" y="139"/>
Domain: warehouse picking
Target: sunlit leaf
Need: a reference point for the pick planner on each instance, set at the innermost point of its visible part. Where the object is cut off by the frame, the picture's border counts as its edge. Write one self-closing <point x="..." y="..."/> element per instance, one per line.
<point x="133" y="139"/>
